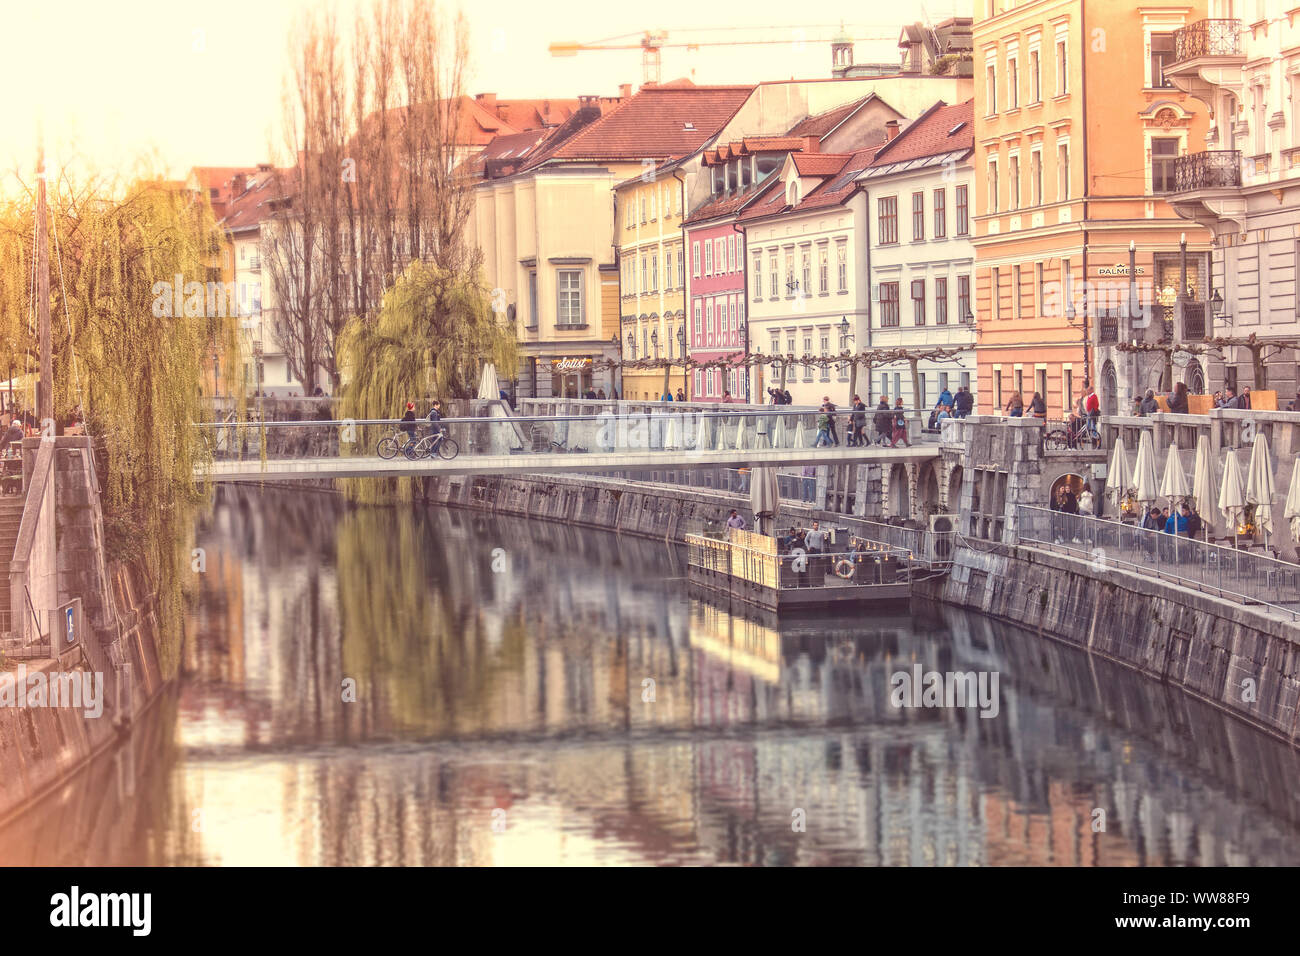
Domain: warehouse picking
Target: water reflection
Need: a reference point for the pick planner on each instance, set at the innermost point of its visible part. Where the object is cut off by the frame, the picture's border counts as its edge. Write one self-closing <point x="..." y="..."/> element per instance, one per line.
<point x="560" y="681"/>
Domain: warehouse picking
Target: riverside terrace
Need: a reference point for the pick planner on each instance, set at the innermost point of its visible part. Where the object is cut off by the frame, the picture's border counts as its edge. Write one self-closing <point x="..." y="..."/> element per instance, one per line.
<point x="508" y="444"/>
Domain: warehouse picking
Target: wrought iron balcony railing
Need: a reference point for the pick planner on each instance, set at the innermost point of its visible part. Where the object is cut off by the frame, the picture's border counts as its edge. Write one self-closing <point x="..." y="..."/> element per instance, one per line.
<point x="1207" y="38"/>
<point x="1208" y="169"/>
<point x="1193" y="321"/>
<point x="1107" y="328"/>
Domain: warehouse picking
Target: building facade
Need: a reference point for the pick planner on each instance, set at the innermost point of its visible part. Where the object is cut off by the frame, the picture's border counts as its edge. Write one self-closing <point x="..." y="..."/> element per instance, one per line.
<point x="920" y="200"/>
<point x="1077" y="131"/>
<point x="1243" y="63"/>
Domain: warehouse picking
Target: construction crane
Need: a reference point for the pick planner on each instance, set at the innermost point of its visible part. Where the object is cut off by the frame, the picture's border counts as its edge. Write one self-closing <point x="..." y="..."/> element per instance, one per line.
<point x="652" y="42"/>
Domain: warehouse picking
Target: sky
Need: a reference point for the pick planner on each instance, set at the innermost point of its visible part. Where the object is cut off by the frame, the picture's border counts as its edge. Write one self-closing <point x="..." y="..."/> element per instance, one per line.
<point x="180" y="83"/>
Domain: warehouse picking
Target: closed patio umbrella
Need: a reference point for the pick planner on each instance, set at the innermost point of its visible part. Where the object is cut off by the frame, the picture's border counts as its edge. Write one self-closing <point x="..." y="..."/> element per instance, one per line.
<point x="1144" y="472"/>
<point x="1292" y="510"/>
<point x="741" y="437"/>
<point x="489" y="386"/>
<point x="1232" y="495"/>
<point x="1259" y="485"/>
<point x="780" y="438"/>
<point x="1118" y="474"/>
<point x="800" y="435"/>
<point x="764" y="499"/>
<point x="672" y="432"/>
<point x="1174" y="483"/>
<point x="1204" y="488"/>
<point x="719" y="435"/>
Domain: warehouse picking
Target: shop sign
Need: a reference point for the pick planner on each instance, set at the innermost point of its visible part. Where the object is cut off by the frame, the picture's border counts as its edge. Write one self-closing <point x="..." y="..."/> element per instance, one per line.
<point x="570" y="364"/>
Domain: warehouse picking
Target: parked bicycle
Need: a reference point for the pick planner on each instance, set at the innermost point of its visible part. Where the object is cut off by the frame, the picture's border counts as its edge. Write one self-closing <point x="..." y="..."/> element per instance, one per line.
<point x="440" y="443"/>
<point x="1078" y="433"/>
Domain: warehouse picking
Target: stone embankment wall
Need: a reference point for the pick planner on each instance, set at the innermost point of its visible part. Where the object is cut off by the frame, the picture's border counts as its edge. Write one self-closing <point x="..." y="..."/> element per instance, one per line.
<point x="1235" y="657"/>
<point x="40" y="746"/>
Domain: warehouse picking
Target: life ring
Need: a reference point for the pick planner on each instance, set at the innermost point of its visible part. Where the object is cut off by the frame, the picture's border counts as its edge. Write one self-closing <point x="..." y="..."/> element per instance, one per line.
<point x="844" y="568"/>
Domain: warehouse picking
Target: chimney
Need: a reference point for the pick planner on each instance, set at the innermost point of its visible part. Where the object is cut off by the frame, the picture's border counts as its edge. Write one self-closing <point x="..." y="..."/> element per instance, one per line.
<point x="488" y="101"/>
<point x="811" y="144"/>
<point x="263" y="167"/>
<point x="625" y="91"/>
<point x="237" y="185"/>
<point x="891" y="129"/>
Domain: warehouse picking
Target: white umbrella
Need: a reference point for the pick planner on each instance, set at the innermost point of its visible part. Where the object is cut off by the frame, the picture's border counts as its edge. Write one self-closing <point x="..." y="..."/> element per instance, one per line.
<point x="1174" y="483"/>
<point x="719" y="436"/>
<point x="779" y="436"/>
<point x="1117" y="480"/>
<point x="1204" y="489"/>
<point x="764" y="499"/>
<point x="1259" y="485"/>
<point x="740" y="432"/>
<point x="1144" y="472"/>
<point x="672" y="433"/>
<point x="1292" y="510"/>
<point x="488" y="385"/>
<point x="800" y="435"/>
<point x="1232" y="496"/>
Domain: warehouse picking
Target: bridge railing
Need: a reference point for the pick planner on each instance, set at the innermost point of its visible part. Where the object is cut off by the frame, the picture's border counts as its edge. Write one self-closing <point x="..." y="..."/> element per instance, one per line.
<point x="653" y="431"/>
<point x="1188" y="562"/>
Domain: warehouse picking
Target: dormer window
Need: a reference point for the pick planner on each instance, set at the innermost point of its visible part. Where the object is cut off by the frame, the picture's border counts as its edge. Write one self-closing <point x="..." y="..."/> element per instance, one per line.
<point x="792" y="193"/>
<point x="733" y="174"/>
<point x="719" y="180"/>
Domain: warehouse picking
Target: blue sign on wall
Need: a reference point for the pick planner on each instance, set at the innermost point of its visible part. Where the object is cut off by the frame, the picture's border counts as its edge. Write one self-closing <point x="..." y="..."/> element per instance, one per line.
<point x="72" y="627"/>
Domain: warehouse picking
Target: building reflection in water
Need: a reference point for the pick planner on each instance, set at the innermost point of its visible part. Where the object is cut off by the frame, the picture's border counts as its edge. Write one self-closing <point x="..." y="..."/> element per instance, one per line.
<point x="561" y="681"/>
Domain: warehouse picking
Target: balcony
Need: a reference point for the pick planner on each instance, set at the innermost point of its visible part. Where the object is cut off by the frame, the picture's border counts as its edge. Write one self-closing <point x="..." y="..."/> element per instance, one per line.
<point x="1193" y="321"/>
<point x="1208" y="169"/>
<point x="1208" y="54"/>
<point x="1108" y="327"/>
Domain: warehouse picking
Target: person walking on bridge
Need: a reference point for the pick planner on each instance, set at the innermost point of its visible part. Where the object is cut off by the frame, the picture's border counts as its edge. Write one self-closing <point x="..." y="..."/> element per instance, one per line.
<point x="900" y="425"/>
<point x="409" y="417"/>
<point x="435" y="416"/>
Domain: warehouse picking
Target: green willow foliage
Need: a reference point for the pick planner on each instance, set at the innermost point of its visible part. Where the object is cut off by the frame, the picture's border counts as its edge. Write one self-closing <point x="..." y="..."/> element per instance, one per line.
<point x="431" y="338"/>
<point x="137" y="375"/>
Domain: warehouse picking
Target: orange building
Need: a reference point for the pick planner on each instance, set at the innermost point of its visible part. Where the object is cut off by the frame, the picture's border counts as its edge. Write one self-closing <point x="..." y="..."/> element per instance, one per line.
<point x="1076" y="133"/>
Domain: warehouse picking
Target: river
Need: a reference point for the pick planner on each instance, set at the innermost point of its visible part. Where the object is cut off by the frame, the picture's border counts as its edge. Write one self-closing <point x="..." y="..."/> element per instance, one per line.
<point x="430" y="687"/>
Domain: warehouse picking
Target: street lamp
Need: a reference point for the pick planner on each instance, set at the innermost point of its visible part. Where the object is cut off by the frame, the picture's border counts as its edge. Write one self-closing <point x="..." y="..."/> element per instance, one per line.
<point x="681" y="342"/>
<point x="1216" y="302"/>
<point x="744" y="354"/>
<point x="654" y="341"/>
<point x="617" y="343"/>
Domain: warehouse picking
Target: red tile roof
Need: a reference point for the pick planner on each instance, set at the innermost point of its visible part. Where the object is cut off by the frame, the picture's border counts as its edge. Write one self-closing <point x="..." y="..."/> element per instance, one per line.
<point x="823" y="123"/>
<point x="533" y="114"/>
<point x="769" y="202"/>
<point x="248" y="209"/>
<point x="933" y="133"/>
<point x="659" y="122"/>
<point x="818" y="164"/>
<point x="840" y="185"/>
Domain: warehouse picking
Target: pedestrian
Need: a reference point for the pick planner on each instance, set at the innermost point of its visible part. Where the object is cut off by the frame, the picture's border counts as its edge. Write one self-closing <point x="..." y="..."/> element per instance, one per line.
<point x="1015" y="407"/>
<point x="726" y="395"/>
<point x="1149" y="405"/>
<point x="1244" y="401"/>
<point x="1038" y="407"/>
<point x="1194" y="523"/>
<point x="815" y="539"/>
<point x="1087" y="504"/>
<point x="829" y="408"/>
<point x="600" y="394"/>
<point x="666" y="397"/>
<point x="1178" y="399"/>
<point x="1177" y="522"/>
<point x="1230" y="399"/>
<point x="409" y="417"/>
<point x="965" y="401"/>
<point x="786" y="397"/>
<point x="900" y="425"/>
<point x="734" y="520"/>
<point x="884" y="420"/>
<point x="742" y="474"/>
<point x="823" y="430"/>
<point x="681" y="395"/>
<point x="1092" y="407"/>
<point x="945" y="398"/>
<point x="809" y="483"/>
<point x="857" y="422"/>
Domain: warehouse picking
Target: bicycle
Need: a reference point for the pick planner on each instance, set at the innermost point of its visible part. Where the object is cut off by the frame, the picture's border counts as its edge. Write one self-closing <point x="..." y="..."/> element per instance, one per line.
<point x="441" y="442"/>
<point x="1078" y="433"/>
<point x="398" y="441"/>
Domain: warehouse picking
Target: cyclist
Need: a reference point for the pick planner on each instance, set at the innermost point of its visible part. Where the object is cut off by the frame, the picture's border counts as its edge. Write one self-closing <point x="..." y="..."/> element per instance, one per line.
<point x="409" y="429"/>
<point x="435" y="416"/>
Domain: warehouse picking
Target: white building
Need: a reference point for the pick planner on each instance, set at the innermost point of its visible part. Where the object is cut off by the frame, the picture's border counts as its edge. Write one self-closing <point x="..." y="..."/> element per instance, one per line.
<point x="919" y="196"/>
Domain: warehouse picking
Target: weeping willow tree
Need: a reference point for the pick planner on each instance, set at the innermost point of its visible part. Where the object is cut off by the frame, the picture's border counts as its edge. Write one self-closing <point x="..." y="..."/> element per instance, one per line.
<point x="130" y="342"/>
<point x="430" y="339"/>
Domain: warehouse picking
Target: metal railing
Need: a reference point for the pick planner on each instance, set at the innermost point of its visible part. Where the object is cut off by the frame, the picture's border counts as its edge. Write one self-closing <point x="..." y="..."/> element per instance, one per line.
<point x="1191" y="563"/>
<point x="1208" y="169"/>
<point x="1207" y="38"/>
<point x="1107" y="327"/>
<point x="1193" y="321"/>
<point x="867" y="564"/>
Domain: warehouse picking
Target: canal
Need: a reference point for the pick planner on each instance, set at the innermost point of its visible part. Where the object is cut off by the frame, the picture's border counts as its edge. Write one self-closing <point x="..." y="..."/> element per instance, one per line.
<point x="411" y="686"/>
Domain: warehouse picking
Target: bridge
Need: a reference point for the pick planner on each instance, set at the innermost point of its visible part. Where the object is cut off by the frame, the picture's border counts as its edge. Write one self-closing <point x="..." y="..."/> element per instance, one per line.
<point x="315" y="450"/>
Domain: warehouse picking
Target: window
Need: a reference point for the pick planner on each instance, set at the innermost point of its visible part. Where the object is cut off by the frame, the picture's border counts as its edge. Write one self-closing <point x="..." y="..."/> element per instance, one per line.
<point x="708" y="322"/>
<point x="569" y="310"/>
<point x="776" y="344"/>
<point x="1062" y="69"/>
<point x="1015" y="292"/>
<point x="731" y="253"/>
<point x="1036" y="177"/>
<point x="668" y="269"/>
<point x="807" y="351"/>
<point x="842" y="264"/>
<point x="654" y="272"/>
<point x="629" y="215"/>
<point x="963" y="299"/>
<point x="918" y="216"/>
<point x="1035" y="89"/>
<point x="921" y="389"/>
<point x="823" y="269"/>
<point x="993" y="185"/>
<point x="940" y="213"/>
<point x="1062" y="172"/>
<point x="532" y="299"/>
<point x="758" y="276"/>
<point x="918" y="302"/>
<point x="720" y="256"/>
<point x="789" y="273"/>
<point x="775" y="277"/>
<point x="888" y="220"/>
<point x="805" y="280"/>
<point x="1013" y="83"/>
<point x="695" y="259"/>
<point x="1040" y="382"/>
<point x="1040" y="289"/>
<point x="645" y="275"/>
<point x="825" y="353"/>
<point x="1164" y="151"/>
<point x="643" y="210"/>
<point x="889" y="305"/>
<point x="991" y="88"/>
<point x="1013" y="182"/>
<point x="941" y="300"/>
<point x="963" y="212"/>
<point x="708" y="258"/>
<point x="697" y="332"/>
<point x="995" y="293"/>
<point x="681" y="270"/>
<point x="652" y="207"/>
<point x="1162" y="54"/>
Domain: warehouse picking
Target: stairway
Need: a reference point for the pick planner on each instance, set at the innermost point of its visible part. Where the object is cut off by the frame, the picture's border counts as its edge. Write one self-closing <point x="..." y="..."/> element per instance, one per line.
<point x="11" y="515"/>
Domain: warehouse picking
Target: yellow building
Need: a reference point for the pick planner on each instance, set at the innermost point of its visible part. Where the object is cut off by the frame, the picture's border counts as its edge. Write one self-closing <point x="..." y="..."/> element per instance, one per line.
<point x="652" y="279"/>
